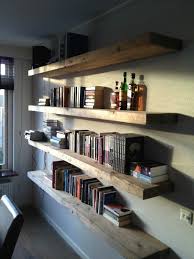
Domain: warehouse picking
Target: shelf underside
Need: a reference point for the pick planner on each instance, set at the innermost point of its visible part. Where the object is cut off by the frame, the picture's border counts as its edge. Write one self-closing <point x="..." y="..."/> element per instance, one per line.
<point x="131" y="117"/>
<point x="130" y="242"/>
<point x="146" y="46"/>
<point x="106" y="175"/>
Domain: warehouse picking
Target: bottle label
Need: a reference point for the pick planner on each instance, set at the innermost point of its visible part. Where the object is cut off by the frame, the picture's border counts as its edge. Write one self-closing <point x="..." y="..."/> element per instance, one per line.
<point x="113" y="101"/>
<point x="123" y="100"/>
<point x="128" y="99"/>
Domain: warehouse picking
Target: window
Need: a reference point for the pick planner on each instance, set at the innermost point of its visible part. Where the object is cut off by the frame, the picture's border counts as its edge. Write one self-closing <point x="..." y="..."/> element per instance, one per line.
<point x="6" y="111"/>
<point x="2" y="126"/>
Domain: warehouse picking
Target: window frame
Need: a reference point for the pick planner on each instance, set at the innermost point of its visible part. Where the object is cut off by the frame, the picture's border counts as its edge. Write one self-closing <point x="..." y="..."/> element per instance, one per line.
<point x="8" y="130"/>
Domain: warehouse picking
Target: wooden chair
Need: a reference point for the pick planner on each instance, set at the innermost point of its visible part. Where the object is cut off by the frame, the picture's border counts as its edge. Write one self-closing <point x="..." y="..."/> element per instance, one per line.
<point x="11" y="221"/>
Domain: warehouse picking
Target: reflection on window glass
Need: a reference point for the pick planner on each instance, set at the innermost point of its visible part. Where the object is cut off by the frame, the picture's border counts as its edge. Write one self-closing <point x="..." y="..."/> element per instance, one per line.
<point x="2" y="69"/>
<point x="2" y="126"/>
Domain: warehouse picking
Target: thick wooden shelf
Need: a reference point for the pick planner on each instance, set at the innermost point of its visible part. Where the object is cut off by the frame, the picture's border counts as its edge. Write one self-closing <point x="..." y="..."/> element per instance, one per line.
<point x="106" y="175"/>
<point x="133" y="117"/>
<point x="130" y="242"/>
<point x="145" y="46"/>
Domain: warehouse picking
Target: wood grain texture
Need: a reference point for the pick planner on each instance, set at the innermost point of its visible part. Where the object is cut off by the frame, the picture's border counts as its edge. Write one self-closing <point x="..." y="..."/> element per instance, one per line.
<point x="106" y="175"/>
<point x="130" y="242"/>
<point x="145" y="46"/>
<point x="130" y="117"/>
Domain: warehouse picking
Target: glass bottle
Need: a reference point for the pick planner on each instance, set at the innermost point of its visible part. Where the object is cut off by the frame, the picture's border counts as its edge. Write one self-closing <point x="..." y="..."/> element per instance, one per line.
<point x="142" y="94"/>
<point x="123" y="93"/>
<point x="134" y="92"/>
<point x="114" y="97"/>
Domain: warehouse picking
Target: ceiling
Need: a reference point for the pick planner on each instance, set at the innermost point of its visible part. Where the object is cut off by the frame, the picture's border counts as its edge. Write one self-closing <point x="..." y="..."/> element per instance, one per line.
<point x="24" y="22"/>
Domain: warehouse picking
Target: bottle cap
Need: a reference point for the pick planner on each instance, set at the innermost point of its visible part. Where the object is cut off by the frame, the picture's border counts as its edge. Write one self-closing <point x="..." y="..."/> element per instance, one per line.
<point x="117" y="82"/>
<point x="125" y="74"/>
<point x="141" y="77"/>
<point x="133" y="75"/>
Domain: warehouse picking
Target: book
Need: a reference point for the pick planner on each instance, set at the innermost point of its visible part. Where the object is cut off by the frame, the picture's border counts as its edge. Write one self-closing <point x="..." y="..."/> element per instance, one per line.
<point x="117" y="223"/>
<point x="117" y="209"/>
<point x="59" y="179"/>
<point x="119" y="219"/>
<point x="150" y="168"/>
<point x="55" y="165"/>
<point x="155" y="179"/>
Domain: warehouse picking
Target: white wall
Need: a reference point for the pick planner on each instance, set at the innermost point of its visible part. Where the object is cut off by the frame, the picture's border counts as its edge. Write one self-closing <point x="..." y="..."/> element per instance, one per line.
<point x="170" y="89"/>
<point x="22" y="96"/>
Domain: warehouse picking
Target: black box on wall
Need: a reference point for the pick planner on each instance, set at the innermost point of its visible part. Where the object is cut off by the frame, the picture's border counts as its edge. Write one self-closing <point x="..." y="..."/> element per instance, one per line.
<point x="40" y="56"/>
<point x="74" y="44"/>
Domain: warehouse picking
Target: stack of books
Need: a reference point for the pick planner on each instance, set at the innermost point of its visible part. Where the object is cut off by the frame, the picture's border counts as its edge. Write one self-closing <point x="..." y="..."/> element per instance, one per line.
<point x="61" y="140"/>
<point x="45" y="101"/>
<point x="94" y="97"/>
<point x="60" y="96"/>
<point x="50" y="128"/>
<point x="150" y="171"/>
<point x="117" y="214"/>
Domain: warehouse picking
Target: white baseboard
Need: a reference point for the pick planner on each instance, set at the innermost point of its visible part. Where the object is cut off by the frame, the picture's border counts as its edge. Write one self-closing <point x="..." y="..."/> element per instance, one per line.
<point x="75" y="247"/>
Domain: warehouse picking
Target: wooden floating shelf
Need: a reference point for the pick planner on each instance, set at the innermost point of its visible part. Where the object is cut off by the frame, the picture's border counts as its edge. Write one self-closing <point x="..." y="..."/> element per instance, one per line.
<point x="133" y="117"/>
<point x="106" y="175"/>
<point x="146" y="46"/>
<point x="130" y="242"/>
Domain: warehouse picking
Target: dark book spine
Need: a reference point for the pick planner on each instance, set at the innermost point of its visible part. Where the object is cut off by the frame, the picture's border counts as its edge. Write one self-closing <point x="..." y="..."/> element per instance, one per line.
<point x="55" y="96"/>
<point x="82" y="99"/>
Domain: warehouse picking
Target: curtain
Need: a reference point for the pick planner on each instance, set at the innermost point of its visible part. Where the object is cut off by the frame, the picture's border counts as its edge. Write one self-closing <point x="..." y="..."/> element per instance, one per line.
<point x="6" y="73"/>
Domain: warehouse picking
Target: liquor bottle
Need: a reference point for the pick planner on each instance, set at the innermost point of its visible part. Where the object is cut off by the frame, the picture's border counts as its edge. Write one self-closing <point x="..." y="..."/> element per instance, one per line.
<point x="134" y="93"/>
<point x="117" y="96"/>
<point x="114" y="97"/>
<point x="142" y="94"/>
<point x="123" y="93"/>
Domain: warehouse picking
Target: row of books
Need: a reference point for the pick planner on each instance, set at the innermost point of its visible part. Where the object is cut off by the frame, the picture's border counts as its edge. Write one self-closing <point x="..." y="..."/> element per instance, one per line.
<point x="68" y="178"/>
<point x="151" y="171"/>
<point x="78" y="97"/>
<point x="59" y="96"/>
<point x="111" y="149"/>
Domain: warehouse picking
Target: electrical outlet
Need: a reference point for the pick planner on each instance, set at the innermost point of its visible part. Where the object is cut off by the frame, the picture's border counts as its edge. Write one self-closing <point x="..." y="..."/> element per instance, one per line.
<point x="186" y="216"/>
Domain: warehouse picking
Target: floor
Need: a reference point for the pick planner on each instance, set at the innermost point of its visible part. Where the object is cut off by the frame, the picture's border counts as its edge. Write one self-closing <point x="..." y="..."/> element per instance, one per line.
<point x="38" y="240"/>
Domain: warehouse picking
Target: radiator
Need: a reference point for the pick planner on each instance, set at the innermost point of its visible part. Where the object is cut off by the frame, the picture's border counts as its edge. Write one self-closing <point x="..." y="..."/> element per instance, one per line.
<point x="8" y="189"/>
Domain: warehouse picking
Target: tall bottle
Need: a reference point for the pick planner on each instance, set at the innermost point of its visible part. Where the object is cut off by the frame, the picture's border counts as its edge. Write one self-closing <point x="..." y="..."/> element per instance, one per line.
<point x="114" y="97"/>
<point x="142" y="94"/>
<point x="134" y="93"/>
<point x="123" y="93"/>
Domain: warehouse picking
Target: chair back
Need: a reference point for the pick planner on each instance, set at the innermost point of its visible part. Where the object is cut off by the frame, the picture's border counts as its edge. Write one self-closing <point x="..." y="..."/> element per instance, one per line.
<point x="11" y="221"/>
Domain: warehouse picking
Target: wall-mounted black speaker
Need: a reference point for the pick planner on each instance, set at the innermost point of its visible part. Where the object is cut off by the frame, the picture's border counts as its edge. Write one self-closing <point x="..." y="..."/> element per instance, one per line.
<point x="40" y="56"/>
<point x="72" y="45"/>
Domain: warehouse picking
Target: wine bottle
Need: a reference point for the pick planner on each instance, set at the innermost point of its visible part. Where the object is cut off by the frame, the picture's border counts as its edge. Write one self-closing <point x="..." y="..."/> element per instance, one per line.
<point x="134" y="92"/>
<point x="123" y="93"/>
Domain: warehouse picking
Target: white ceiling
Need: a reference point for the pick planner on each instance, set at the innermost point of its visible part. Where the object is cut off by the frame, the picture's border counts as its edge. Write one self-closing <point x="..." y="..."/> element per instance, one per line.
<point x="27" y="22"/>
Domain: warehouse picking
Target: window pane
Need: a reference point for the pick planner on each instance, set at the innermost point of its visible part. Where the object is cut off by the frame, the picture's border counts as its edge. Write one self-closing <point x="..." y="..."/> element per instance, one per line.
<point x="2" y="71"/>
<point x="2" y="126"/>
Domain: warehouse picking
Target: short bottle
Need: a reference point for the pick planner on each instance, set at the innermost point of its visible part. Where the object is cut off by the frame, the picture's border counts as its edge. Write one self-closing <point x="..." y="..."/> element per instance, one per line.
<point x="142" y="94"/>
<point x="133" y="88"/>
<point x="123" y="93"/>
<point x="114" y="97"/>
